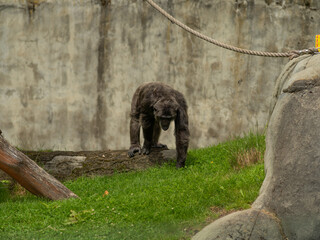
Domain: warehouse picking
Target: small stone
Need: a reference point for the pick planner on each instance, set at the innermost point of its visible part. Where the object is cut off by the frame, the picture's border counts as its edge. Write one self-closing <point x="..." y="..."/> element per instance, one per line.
<point x="64" y="165"/>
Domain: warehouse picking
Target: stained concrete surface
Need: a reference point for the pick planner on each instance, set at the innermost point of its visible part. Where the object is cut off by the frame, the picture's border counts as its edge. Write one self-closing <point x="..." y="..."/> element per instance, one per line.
<point x="68" y="69"/>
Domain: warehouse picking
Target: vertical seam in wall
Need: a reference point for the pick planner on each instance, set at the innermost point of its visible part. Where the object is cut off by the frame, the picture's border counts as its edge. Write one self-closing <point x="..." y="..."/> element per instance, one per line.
<point x="100" y="120"/>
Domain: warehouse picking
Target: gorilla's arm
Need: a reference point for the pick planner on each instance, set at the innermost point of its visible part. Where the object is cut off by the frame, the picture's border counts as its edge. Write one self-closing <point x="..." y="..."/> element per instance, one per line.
<point x="147" y="123"/>
<point x="134" y="136"/>
<point x="135" y="125"/>
<point x="182" y="136"/>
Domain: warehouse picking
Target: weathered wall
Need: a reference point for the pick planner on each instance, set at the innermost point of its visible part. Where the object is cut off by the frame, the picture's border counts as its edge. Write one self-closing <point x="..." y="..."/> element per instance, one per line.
<point x="68" y="69"/>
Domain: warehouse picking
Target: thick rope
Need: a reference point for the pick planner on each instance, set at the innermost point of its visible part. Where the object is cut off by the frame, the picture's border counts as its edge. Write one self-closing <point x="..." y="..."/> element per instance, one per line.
<point x="290" y="54"/>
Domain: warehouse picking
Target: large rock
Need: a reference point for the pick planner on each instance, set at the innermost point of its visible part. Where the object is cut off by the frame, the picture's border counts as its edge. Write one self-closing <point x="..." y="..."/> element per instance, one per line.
<point x="292" y="162"/>
<point x="248" y="224"/>
<point x="290" y="194"/>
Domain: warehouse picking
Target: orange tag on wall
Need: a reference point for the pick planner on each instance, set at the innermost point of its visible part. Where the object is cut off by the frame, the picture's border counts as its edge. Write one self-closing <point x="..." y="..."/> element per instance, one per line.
<point x="318" y="42"/>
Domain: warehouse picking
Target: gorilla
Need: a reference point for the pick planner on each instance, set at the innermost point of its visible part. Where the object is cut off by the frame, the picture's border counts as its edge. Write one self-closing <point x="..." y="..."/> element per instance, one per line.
<point x="154" y="105"/>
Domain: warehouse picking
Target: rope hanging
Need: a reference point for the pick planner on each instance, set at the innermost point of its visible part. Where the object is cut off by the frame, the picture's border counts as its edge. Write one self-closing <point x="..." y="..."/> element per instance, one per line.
<point x="290" y="54"/>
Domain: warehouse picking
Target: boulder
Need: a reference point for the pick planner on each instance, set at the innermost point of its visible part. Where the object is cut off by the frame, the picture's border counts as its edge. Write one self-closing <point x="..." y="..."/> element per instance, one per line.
<point x="288" y="206"/>
<point x="248" y="224"/>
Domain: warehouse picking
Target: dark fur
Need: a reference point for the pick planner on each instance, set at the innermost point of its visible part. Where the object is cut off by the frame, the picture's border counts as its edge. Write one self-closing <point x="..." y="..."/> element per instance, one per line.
<point x="154" y="105"/>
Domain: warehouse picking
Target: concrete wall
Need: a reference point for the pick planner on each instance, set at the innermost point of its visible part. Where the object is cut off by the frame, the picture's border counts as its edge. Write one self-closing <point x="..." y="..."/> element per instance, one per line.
<point x="68" y="69"/>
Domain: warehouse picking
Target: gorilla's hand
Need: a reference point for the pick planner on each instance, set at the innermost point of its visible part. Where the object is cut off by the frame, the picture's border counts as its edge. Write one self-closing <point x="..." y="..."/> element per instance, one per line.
<point x="133" y="150"/>
<point x="146" y="148"/>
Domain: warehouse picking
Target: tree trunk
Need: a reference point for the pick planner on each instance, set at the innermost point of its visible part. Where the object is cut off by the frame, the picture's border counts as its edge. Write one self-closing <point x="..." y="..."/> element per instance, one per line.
<point x="29" y="175"/>
<point x="66" y="165"/>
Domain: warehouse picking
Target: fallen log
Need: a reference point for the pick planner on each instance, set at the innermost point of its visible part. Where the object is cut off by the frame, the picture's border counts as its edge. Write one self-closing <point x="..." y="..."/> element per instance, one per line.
<point x="68" y="165"/>
<point x="29" y="175"/>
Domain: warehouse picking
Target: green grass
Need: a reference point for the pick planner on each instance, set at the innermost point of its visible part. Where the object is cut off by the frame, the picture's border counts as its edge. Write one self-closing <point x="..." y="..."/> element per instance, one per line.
<point x="158" y="203"/>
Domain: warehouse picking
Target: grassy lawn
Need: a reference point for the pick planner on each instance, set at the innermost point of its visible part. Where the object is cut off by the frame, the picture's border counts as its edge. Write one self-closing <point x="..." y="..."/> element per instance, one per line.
<point x="158" y="203"/>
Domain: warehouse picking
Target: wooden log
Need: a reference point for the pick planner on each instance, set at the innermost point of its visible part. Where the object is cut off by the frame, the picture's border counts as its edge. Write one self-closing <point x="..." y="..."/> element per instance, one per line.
<point x="29" y="175"/>
<point x="67" y="165"/>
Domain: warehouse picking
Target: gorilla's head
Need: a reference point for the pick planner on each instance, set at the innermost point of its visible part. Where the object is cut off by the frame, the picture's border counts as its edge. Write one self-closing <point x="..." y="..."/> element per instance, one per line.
<point x="165" y="110"/>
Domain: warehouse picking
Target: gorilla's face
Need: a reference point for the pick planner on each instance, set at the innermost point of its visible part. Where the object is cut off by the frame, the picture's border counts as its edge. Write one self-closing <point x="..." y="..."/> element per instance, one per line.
<point x="164" y="123"/>
<point x="165" y="111"/>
